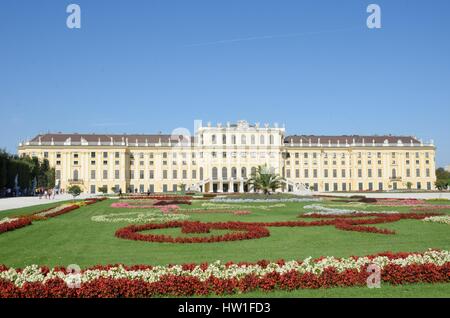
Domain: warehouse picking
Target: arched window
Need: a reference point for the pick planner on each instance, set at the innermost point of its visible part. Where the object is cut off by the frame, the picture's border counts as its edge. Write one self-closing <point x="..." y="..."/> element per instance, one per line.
<point x="243" y="139"/>
<point x="244" y="172"/>
<point x="213" y="139"/>
<point x="233" y="139"/>
<point x="253" y="140"/>
<point x="271" y="139"/>
<point x="394" y="173"/>
<point x="224" y="173"/>
<point x="261" y="140"/>
<point x="214" y="173"/>
<point x="224" y="139"/>
<point x="75" y="175"/>
<point x="234" y="172"/>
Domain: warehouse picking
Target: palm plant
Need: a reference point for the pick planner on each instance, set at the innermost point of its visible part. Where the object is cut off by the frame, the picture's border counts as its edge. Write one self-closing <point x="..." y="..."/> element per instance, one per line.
<point x="265" y="180"/>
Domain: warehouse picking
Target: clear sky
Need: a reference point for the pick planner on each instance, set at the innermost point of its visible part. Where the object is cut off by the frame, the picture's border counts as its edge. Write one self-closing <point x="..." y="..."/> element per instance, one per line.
<point x="150" y="66"/>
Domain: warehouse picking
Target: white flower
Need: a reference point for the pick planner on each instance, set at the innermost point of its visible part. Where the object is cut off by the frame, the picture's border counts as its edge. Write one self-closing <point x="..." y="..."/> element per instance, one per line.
<point x="322" y="210"/>
<point x="218" y="269"/>
<point x="444" y="219"/>
<point x="139" y="217"/>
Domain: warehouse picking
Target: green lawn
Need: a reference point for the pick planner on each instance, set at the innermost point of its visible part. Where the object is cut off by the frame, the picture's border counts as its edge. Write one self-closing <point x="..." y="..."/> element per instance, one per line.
<point x="73" y="238"/>
<point x="441" y="290"/>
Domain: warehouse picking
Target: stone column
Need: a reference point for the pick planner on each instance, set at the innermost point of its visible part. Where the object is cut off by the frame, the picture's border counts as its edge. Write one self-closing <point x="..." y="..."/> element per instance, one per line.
<point x="241" y="186"/>
<point x="231" y="186"/>
<point x="210" y="187"/>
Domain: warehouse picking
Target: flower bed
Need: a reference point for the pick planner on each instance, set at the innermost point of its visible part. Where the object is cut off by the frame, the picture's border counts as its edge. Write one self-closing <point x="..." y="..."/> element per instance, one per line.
<point x="171" y="202"/>
<point x="13" y="224"/>
<point x="324" y="210"/>
<point x="255" y="230"/>
<point x="157" y="204"/>
<point x="206" y="211"/>
<point x="57" y="211"/>
<point x="89" y="201"/>
<point x="195" y="227"/>
<point x="139" y="217"/>
<point x="349" y="223"/>
<point x="431" y="208"/>
<point x="242" y="231"/>
<point x="217" y="278"/>
<point x="159" y="214"/>
<point x="230" y="200"/>
<point x="400" y="202"/>
<point x="16" y="223"/>
<point x="126" y="205"/>
<point x="266" y="207"/>
<point x="444" y="219"/>
<point x="157" y="197"/>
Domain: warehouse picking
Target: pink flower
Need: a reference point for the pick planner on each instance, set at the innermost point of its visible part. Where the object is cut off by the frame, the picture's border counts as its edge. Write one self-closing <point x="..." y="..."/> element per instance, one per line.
<point x="241" y="212"/>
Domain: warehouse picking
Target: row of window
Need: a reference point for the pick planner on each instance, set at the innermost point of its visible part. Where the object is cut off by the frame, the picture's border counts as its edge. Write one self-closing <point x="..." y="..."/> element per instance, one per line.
<point x="358" y="154"/>
<point x="359" y="162"/>
<point x="132" y="189"/>
<point x="343" y="173"/>
<point x="370" y="186"/>
<point x="288" y="163"/>
<point x="233" y="173"/>
<point x="233" y="139"/>
<point x="297" y="155"/>
<point x="132" y="175"/>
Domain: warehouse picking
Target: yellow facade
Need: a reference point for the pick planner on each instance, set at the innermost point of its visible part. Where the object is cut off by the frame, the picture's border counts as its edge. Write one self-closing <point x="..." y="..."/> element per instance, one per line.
<point x="221" y="158"/>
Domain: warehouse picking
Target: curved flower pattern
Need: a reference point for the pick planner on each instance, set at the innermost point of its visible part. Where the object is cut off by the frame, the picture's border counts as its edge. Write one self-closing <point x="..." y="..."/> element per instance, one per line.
<point x="255" y="230"/>
<point x="241" y="231"/>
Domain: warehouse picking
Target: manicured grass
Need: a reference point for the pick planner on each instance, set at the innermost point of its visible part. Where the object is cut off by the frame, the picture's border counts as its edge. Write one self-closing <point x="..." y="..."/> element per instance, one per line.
<point x="441" y="290"/>
<point x="74" y="238"/>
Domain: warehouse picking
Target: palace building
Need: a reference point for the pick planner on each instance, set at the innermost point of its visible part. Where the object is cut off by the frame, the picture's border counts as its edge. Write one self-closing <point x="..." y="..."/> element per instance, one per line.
<point x="221" y="158"/>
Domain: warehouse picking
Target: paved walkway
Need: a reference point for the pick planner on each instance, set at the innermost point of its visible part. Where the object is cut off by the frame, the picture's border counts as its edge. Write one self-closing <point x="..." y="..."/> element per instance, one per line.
<point x="21" y="202"/>
<point x="419" y="195"/>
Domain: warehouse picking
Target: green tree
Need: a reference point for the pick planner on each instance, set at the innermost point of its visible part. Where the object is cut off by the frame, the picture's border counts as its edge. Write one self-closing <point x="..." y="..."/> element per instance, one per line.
<point x="442" y="179"/>
<point x="51" y="176"/>
<point x="265" y="180"/>
<point x="103" y="189"/>
<point x="442" y="185"/>
<point x="42" y="177"/>
<point x="442" y="174"/>
<point x="74" y="191"/>
<point x="3" y="169"/>
<point x="409" y="185"/>
<point x="24" y="172"/>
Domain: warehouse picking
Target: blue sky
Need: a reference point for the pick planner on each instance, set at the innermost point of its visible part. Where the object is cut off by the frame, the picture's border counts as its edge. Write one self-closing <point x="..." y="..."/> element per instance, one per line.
<point x="150" y="66"/>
